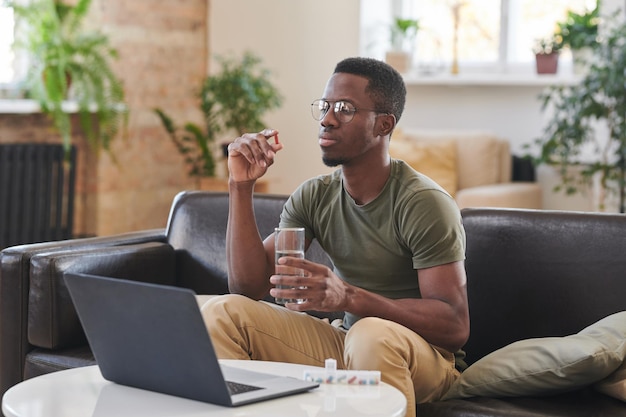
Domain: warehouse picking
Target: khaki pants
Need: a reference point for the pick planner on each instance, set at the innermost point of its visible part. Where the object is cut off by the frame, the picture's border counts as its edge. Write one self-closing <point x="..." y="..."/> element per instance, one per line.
<point x="242" y="328"/>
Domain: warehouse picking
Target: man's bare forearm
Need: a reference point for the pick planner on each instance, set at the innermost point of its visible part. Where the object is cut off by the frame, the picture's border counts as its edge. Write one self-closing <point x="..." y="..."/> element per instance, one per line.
<point x="437" y="321"/>
<point x="248" y="265"/>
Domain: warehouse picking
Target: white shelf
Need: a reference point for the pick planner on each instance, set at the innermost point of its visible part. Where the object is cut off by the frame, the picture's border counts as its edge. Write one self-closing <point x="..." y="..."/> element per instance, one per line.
<point x="496" y="79"/>
<point x="25" y="106"/>
<point x="18" y="106"/>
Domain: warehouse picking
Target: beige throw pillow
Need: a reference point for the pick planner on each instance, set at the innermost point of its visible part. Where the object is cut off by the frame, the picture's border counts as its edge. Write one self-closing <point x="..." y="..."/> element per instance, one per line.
<point x="550" y="365"/>
<point x="480" y="164"/>
<point x="480" y="155"/>
<point x="436" y="160"/>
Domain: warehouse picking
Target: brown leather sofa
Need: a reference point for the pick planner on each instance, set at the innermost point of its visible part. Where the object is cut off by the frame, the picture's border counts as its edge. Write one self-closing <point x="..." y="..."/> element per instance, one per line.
<point x="530" y="274"/>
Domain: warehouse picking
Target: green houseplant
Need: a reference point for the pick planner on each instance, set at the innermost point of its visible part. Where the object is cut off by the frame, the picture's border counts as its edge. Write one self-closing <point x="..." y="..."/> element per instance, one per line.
<point x="68" y="62"/>
<point x="587" y="127"/>
<point x="235" y="98"/>
<point x="579" y="32"/>
<point x="403" y="32"/>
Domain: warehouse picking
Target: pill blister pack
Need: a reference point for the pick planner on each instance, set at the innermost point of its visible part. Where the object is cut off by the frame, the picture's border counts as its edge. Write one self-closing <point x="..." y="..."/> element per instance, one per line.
<point x="331" y="375"/>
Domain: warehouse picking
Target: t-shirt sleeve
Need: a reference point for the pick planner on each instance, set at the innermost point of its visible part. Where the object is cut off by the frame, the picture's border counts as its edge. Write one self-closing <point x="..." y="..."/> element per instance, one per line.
<point x="296" y="210"/>
<point x="433" y="230"/>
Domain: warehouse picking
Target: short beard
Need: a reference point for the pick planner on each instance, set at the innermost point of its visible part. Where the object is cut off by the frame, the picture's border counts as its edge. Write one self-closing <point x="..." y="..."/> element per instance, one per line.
<point x="332" y="162"/>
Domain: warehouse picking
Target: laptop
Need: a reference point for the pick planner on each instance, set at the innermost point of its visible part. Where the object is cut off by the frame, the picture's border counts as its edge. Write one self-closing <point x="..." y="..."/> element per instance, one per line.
<point x="153" y="337"/>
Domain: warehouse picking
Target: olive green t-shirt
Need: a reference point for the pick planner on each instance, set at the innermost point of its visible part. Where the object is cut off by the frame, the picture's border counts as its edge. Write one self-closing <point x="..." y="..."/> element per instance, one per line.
<point x="412" y="224"/>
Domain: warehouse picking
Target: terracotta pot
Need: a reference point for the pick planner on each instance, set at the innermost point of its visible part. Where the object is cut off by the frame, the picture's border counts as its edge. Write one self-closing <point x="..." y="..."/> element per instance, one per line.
<point x="399" y="60"/>
<point x="547" y="63"/>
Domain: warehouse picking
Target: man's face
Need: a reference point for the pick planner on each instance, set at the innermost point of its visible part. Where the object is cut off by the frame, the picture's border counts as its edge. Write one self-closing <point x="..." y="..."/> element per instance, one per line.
<point x="344" y="142"/>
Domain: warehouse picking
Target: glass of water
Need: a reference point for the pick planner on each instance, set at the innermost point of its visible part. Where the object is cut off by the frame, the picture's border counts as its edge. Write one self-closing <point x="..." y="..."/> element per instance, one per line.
<point x="288" y="241"/>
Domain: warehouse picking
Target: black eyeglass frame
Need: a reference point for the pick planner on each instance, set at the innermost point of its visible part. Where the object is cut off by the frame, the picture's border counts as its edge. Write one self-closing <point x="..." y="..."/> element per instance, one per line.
<point x="315" y="106"/>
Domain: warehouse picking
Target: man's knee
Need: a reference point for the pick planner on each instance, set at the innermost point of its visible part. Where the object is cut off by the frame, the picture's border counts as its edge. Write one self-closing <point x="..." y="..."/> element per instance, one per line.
<point x="372" y="339"/>
<point x="226" y="301"/>
<point x="228" y="308"/>
<point x="368" y="341"/>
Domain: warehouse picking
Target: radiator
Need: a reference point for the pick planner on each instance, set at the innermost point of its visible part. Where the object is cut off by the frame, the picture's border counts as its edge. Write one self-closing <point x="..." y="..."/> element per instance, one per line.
<point x="36" y="193"/>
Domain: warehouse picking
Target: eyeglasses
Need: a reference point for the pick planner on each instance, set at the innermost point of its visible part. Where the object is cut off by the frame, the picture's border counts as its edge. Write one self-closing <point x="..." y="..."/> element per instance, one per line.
<point x="343" y="110"/>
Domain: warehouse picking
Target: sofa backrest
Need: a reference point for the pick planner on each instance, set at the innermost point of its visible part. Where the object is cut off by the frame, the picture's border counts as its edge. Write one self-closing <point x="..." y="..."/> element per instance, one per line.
<point x="196" y="230"/>
<point x="535" y="273"/>
<point x="530" y="273"/>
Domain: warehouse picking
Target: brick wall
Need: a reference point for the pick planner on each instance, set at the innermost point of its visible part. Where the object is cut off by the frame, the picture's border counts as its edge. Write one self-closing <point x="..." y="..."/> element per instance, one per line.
<point x="163" y="54"/>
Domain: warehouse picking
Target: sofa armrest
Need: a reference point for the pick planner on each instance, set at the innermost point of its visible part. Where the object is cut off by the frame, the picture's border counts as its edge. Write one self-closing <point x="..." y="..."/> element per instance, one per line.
<point x="52" y="319"/>
<point x="14" y="288"/>
<point x="513" y="195"/>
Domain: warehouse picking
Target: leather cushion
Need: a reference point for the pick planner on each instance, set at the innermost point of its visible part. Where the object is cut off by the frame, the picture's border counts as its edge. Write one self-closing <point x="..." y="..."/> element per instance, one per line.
<point x="540" y="274"/>
<point x="581" y="403"/>
<point x="52" y="319"/>
<point x="43" y="361"/>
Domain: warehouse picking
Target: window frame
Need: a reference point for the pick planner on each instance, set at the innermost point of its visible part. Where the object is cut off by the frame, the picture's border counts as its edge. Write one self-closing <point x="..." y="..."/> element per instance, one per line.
<point x="501" y="67"/>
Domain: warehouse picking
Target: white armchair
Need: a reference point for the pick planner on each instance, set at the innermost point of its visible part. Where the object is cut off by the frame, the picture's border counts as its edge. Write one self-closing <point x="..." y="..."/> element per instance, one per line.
<point x="474" y="167"/>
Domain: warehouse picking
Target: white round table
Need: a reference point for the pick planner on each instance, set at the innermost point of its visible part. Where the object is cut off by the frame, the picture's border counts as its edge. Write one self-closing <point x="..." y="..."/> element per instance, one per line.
<point x="82" y="392"/>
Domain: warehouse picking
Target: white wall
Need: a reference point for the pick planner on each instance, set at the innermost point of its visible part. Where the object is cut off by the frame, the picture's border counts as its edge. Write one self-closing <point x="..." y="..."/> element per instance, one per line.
<point x="300" y="41"/>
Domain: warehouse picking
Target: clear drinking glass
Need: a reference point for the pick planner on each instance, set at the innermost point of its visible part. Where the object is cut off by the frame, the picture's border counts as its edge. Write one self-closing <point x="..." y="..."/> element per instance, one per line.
<point x="288" y="241"/>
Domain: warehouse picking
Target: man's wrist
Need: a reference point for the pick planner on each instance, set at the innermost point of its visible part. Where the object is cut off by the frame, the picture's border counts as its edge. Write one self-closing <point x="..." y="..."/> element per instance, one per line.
<point x="351" y="293"/>
<point x="241" y="185"/>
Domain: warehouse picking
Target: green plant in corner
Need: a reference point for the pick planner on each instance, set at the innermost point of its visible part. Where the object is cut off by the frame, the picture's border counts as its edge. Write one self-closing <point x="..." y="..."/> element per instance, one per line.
<point x="579" y="114"/>
<point x="580" y="30"/>
<point x="69" y="63"/>
<point x="235" y="98"/>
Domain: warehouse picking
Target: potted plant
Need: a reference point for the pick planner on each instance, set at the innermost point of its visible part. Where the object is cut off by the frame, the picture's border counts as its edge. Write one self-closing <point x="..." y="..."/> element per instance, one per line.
<point x="403" y="32"/>
<point x="579" y="32"/>
<point x="587" y="126"/>
<point x="68" y="62"/>
<point x="547" y="54"/>
<point x="236" y="98"/>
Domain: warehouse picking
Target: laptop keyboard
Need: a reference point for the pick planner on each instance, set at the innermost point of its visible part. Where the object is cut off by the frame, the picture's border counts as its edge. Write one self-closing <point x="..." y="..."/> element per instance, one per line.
<point x="237" y="388"/>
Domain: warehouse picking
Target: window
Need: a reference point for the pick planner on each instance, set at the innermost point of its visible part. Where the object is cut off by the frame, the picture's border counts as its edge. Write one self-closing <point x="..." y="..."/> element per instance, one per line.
<point x="7" y="71"/>
<point x="493" y="35"/>
<point x="13" y="63"/>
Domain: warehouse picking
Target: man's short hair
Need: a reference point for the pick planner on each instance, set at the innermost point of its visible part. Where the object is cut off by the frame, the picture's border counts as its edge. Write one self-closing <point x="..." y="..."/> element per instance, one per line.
<point x="385" y="84"/>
